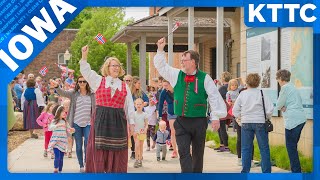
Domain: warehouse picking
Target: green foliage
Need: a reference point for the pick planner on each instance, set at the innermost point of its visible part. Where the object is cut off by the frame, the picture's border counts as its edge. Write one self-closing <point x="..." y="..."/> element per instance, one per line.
<point x="279" y="155"/>
<point x="107" y="21"/>
<point x="85" y="14"/>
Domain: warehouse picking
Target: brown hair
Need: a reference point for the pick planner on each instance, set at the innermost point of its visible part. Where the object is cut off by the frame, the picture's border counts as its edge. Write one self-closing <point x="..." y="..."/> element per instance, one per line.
<point x="283" y="75"/>
<point x="150" y="95"/>
<point x="193" y="55"/>
<point x="105" y="67"/>
<point x="135" y="92"/>
<point x="57" y="111"/>
<point x="160" y="78"/>
<point x="31" y="83"/>
<point x="226" y="76"/>
<point x="164" y="80"/>
<point x="76" y="89"/>
<point x="253" y="80"/>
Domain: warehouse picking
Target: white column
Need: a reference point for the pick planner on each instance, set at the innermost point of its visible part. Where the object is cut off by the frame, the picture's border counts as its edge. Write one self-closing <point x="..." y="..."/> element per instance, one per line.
<point x="190" y="28"/>
<point x="170" y="41"/>
<point x="220" y="43"/>
<point x="129" y="58"/>
<point x="142" y="62"/>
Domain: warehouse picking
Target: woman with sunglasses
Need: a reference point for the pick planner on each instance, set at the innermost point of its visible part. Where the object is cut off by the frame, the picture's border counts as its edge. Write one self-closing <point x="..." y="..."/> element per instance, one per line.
<point x="127" y="79"/>
<point x="108" y="139"/>
<point x="82" y="107"/>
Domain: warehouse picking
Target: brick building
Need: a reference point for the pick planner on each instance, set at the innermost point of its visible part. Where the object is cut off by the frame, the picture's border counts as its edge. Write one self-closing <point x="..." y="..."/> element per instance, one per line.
<point x="49" y="56"/>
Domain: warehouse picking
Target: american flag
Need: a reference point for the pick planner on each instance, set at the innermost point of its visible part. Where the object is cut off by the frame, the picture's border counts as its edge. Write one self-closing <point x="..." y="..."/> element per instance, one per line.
<point x="101" y="40"/>
<point x="43" y="71"/>
<point x="175" y="27"/>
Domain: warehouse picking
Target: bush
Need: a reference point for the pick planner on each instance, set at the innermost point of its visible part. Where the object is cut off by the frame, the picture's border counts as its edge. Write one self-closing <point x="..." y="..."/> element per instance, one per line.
<point x="278" y="154"/>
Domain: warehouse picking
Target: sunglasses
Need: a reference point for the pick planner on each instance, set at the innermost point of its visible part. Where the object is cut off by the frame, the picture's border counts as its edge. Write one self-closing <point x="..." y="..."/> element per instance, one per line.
<point x="82" y="82"/>
<point x="128" y="80"/>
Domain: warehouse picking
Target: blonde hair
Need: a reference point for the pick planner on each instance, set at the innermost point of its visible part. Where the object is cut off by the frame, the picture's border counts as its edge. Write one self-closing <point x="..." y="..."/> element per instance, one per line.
<point x="127" y="76"/>
<point x="232" y="82"/>
<point x="162" y="123"/>
<point x="105" y="67"/>
<point x="46" y="109"/>
<point x="135" y="92"/>
<point x="138" y="99"/>
<point x="66" y="102"/>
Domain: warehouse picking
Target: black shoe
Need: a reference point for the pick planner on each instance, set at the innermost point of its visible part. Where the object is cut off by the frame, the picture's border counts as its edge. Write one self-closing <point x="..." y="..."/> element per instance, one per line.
<point x="163" y="158"/>
<point x="158" y="158"/>
<point x="133" y="155"/>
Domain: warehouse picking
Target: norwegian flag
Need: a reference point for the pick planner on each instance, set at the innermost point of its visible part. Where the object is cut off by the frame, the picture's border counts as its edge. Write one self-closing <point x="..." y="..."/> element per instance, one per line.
<point x="43" y="71"/>
<point x="154" y="99"/>
<point x="101" y="40"/>
<point x="175" y="27"/>
<point x="65" y="69"/>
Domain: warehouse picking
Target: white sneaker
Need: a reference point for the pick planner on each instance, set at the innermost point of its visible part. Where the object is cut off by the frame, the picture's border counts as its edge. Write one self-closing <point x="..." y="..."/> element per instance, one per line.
<point x="253" y="165"/>
<point x="239" y="162"/>
<point x="82" y="170"/>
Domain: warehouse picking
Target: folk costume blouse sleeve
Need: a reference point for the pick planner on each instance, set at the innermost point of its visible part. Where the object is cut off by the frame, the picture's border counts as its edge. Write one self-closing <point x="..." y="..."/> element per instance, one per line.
<point x="167" y="72"/>
<point x="217" y="105"/>
<point x="93" y="78"/>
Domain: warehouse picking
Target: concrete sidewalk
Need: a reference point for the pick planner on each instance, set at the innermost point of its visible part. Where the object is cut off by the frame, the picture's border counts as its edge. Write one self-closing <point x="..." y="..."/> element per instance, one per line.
<point x="28" y="157"/>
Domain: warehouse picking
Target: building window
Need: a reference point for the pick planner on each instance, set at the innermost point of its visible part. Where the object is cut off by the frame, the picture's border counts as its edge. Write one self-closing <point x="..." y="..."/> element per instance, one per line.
<point x="63" y="58"/>
<point x="238" y="70"/>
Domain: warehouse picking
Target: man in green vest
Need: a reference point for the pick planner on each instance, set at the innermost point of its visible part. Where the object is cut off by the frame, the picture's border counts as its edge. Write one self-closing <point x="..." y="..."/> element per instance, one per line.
<point x="193" y="90"/>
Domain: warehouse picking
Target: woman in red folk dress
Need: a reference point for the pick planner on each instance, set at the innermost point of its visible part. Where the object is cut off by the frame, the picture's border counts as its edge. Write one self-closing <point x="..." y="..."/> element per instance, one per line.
<point x="107" y="149"/>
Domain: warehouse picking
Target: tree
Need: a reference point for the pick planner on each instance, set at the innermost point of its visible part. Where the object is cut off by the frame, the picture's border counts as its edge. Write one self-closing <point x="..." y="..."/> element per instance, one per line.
<point x="107" y="21"/>
<point x="85" y="14"/>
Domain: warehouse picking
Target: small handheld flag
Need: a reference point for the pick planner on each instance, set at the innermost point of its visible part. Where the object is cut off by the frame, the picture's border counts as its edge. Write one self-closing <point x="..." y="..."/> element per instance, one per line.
<point x="100" y="38"/>
<point x="175" y="27"/>
<point x="43" y="71"/>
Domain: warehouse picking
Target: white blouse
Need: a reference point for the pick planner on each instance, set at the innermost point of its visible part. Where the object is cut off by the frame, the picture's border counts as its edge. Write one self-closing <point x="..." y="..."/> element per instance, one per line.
<point x="40" y="99"/>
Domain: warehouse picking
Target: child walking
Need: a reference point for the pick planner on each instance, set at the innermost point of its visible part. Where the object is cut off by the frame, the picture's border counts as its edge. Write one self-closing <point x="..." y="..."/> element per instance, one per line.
<point x="140" y="129"/>
<point x="231" y="96"/>
<point x="66" y="104"/>
<point x="44" y="120"/>
<point x="58" y="142"/>
<point x="162" y="138"/>
<point x="233" y="90"/>
<point x="151" y="111"/>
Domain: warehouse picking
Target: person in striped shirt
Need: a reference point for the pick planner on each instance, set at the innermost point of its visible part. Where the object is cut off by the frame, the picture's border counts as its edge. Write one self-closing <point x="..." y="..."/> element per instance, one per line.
<point x="59" y="139"/>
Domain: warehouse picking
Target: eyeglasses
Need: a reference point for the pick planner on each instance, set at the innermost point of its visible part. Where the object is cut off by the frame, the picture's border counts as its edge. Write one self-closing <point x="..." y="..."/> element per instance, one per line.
<point x="115" y="66"/>
<point x="183" y="60"/>
<point x="82" y="82"/>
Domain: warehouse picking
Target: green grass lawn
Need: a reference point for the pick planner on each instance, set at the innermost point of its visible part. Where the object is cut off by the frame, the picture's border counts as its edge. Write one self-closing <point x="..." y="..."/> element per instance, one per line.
<point x="279" y="155"/>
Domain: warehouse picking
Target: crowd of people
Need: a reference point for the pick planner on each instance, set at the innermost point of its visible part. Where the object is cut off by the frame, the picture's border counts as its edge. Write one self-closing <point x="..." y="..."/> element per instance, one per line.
<point x="107" y="116"/>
